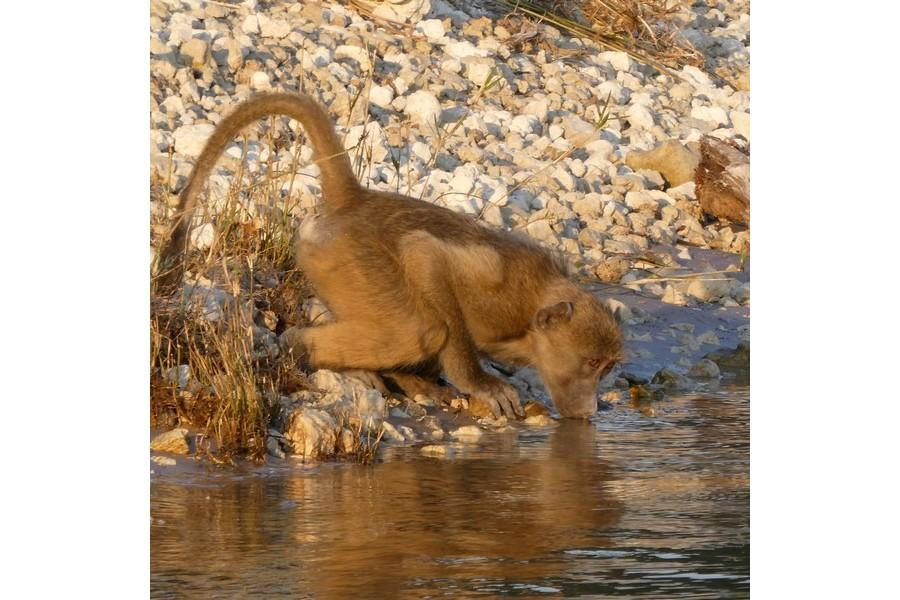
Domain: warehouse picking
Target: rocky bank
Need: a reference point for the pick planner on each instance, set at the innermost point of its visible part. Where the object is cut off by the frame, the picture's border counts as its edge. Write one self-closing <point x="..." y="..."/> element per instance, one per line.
<point x="449" y="107"/>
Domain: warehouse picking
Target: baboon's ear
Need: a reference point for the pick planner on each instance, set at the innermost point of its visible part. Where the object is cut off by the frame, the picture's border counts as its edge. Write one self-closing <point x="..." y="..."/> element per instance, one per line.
<point x="555" y="314"/>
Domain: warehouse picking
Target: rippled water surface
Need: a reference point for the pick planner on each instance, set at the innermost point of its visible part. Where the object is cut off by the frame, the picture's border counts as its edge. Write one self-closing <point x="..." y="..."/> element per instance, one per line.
<point x="624" y="506"/>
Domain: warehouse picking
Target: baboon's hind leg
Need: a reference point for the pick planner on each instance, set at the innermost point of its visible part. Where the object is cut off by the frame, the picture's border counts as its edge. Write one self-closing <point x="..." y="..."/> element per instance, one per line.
<point x="412" y="384"/>
<point x="349" y="345"/>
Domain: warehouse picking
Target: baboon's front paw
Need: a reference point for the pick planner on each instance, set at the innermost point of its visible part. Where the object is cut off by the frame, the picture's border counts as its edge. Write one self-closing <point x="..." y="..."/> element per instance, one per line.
<point x="502" y="399"/>
<point x="291" y="342"/>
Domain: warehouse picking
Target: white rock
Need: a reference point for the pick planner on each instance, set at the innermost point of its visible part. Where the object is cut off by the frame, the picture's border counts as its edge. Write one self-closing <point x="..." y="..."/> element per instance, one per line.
<point x="190" y="139"/>
<point x="467" y="433"/>
<point x="463" y="49"/>
<point x="179" y="34"/>
<point x="539" y="421"/>
<point x="578" y="168"/>
<point x="163" y="461"/>
<point x="612" y="90"/>
<point x="537" y="108"/>
<point x="260" y="81"/>
<point x="541" y="230"/>
<point x="565" y="179"/>
<point x="673" y="295"/>
<point x="710" y="290"/>
<point x="433" y="29"/>
<point x="641" y="200"/>
<point x="373" y="139"/>
<point x="685" y="191"/>
<point x="196" y="49"/>
<point x="250" y="25"/>
<point x="350" y="398"/>
<point x="451" y="65"/>
<point x="202" y="237"/>
<point x="173" y="105"/>
<point x="402" y="11"/>
<point x="391" y="434"/>
<point x="619" y="60"/>
<point x="436" y="451"/>
<point x="381" y="96"/>
<point x="479" y="70"/>
<point x="639" y="116"/>
<point x="555" y="132"/>
<point x="312" y="433"/>
<point x="423" y="108"/>
<point x="711" y="114"/>
<point x="741" y="122"/>
<point x="602" y="149"/>
<point x="354" y="53"/>
<point x="578" y="131"/>
<point x="421" y="150"/>
<point x="696" y="76"/>
<point x="589" y="206"/>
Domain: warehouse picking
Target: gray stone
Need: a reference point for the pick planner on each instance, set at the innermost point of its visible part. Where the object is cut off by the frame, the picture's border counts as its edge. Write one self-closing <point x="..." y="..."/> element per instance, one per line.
<point x="705" y="369"/>
<point x="671" y="379"/>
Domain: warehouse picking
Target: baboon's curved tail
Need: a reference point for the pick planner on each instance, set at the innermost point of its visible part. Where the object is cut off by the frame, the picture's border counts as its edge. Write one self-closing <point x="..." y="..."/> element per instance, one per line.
<point x="338" y="180"/>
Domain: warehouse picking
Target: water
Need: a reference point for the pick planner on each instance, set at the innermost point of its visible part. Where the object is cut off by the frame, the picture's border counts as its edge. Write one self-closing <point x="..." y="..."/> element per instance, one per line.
<point x="625" y="506"/>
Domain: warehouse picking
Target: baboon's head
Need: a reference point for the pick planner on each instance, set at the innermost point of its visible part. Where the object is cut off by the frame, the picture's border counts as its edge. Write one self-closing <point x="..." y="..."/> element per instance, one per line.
<point x="577" y="342"/>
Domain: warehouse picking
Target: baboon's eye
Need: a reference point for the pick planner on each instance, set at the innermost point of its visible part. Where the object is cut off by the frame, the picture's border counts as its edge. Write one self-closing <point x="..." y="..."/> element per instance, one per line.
<point x="596" y="363"/>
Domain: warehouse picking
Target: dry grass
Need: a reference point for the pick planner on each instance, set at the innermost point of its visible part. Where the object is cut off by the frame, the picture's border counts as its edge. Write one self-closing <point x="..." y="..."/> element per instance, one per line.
<point x="646" y="30"/>
<point x="235" y="377"/>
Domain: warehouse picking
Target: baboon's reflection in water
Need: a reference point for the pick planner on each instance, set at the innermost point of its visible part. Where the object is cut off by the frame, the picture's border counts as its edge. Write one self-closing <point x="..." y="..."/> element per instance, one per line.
<point x="410" y="526"/>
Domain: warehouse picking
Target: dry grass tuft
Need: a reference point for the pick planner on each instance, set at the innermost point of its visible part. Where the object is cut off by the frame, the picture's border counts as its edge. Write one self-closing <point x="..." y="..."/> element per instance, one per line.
<point x="646" y="30"/>
<point x="239" y="293"/>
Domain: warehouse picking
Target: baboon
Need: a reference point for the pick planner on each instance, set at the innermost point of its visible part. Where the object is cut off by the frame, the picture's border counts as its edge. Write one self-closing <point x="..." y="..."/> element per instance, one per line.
<point x="417" y="288"/>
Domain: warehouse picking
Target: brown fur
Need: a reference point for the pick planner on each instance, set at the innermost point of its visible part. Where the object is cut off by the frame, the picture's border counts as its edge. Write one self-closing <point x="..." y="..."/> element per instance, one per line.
<point x="411" y="283"/>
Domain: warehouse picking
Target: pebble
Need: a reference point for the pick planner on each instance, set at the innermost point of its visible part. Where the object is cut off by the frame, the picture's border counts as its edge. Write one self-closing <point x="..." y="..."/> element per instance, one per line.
<point x="260" y="81"/>
<point x="710" y="290"/>
<point x="533" y="409"/>
<point x="196" y="50"/>
<point x="671" y="379"/>
<point x="641" y="200"/>
<point x="433" y="29"/>
<point x="173" y="442"/>
<point x="468" y="434"/>
<point x="381" y="96"/>
<point x="423" y="108"/>
<point x="437" y="451"/>
<point x="713" y="114"/>
<point x="705" y="369"/>
<point x="250" y="25"/>
<point x="191" y="139"/>
<point x="540" y="421"/>
<point x="525" y="124"/>
<point x="639" y="116"/>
